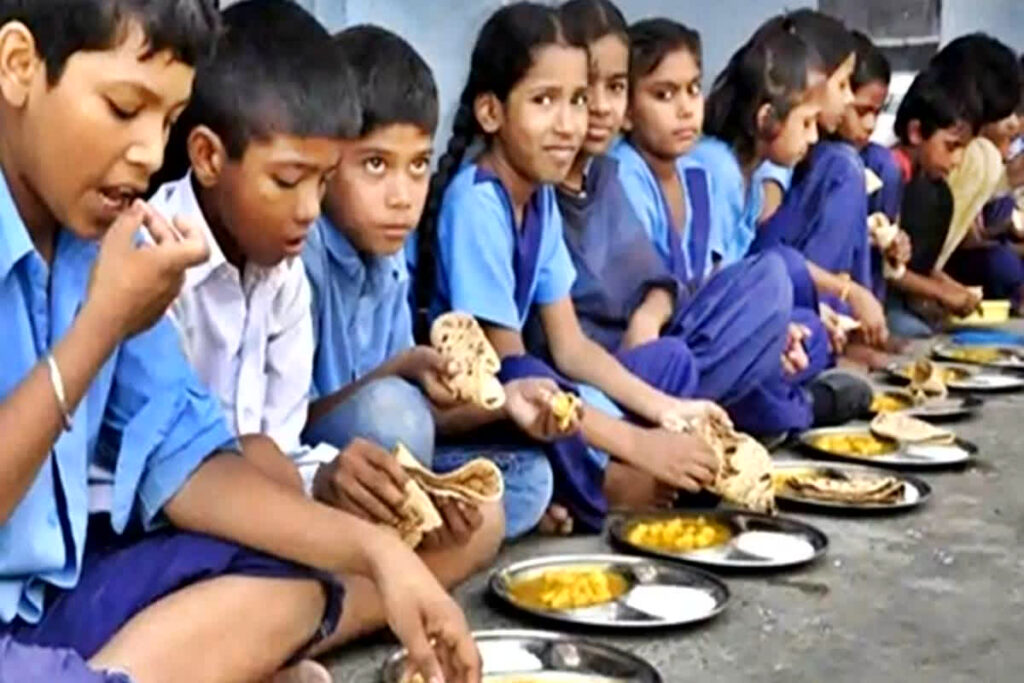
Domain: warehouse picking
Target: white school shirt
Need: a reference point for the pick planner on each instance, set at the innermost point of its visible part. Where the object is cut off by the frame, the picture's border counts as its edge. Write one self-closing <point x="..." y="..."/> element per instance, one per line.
<point x="248" y="335"/>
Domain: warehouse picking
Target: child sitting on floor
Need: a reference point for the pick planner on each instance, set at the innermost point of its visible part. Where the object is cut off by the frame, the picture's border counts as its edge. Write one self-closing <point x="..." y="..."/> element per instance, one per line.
<point x="625" y="293"/>
<point x="492" y="242"/>
<point x="93" y="373"/>
<point x="255" y="187"/>
<point x="369" y="380"/>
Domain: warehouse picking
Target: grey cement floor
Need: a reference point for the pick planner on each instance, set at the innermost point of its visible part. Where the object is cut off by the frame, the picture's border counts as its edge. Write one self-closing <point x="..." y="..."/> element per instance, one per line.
<point x="933" y="596"/>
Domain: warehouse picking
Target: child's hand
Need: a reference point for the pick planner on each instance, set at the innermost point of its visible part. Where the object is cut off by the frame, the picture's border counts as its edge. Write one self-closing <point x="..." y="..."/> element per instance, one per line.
<point x="794" y="355"/>
<point x="135" y="284"/>
<point x="960" y="300"/>
<point x="431" y="371"/>
<point x="461" y="520"/>
<point x="683" y="461"/>
<point x="421" y="614"/>
<point x="364" y="480"/>
<point x="676" y="414"/>
<point x="869" y="312"/>
<point x="528" y="404"/>
<point x="901" y="249"/>
<point x="837" y="338"/>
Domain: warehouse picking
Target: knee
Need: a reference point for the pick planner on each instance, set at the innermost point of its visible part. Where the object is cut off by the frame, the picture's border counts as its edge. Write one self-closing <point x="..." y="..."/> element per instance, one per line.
<point x="529" y="488"/>
<point x="773" y="286"/>
<point x="392" y="411"/>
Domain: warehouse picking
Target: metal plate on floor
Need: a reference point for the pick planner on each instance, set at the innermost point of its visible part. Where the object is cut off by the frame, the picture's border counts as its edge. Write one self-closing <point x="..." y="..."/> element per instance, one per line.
<point x="720" y="539"/>
<point x="619" y="592"/>
<point x="887" y="453"/>
<point x="993" y="356"/>
<point x="912" y="491"/>
<point x="511" y="656"/>
<point x="965" y="378"/>
<point x="933" y="410"/>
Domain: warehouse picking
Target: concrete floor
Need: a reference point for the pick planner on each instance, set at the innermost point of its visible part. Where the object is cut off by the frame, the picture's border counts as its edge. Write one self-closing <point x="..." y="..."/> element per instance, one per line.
<point x="935" y="595"/>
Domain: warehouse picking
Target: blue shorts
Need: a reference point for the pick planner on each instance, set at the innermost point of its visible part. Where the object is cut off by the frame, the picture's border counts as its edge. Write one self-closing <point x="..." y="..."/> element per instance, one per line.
<point x="123" y="575"/>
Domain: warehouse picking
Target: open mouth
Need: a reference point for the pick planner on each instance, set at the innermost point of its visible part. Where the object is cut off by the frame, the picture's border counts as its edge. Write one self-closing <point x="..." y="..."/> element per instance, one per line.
<point x="118" y="198"/>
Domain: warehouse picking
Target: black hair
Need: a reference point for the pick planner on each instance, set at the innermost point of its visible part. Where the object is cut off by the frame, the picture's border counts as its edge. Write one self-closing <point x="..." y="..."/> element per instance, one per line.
<point x="394" y="84"/>
<point x="772" y="68"/>
<point x="275" y="70"/>
<point x="502" y="55"/>
<point x="930" y="102"/>
<point x="186" y="28"/>
<point x="651" y="40"/>
<point x="824" y="34"/>
<point x="587" y="21"/>
<point x="872" y="66"/>
<point x="985" y="72"/>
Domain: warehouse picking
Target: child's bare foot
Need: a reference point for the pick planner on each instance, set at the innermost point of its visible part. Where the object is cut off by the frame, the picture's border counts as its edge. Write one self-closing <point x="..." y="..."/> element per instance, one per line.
<point x="306" y="671"/>
<point x="628" y="488"/>
<point x="556" y="522"/>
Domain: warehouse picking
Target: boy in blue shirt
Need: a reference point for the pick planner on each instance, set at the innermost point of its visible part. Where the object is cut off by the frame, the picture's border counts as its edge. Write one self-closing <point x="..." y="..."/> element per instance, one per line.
<point x="369" y="379"/>
<point x="93" y="375"/>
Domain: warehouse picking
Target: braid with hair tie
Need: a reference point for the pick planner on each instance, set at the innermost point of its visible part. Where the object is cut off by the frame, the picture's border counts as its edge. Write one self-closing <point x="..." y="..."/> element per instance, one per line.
<point x="464" y="132"/>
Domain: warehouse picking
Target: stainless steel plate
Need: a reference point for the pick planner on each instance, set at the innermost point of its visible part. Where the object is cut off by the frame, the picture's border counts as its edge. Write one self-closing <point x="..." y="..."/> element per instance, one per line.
<point x="915" y="491"/>
<point x="938" y="409"/>
<point x="659" y="593"/>
<point x="904" y="456"/>
<point x="756" y="541"/>
<point x="975" y="378"/>
<point x="1011" y="358"/>
<point x="537" y="656"/>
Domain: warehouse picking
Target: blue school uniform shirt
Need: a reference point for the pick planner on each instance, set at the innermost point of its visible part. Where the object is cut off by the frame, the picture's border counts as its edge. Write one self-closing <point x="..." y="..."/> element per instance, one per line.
<point x="487" y="265"/>
<point x="886" y="200"/>
<point x="736" y="207"/>
<point x="145" y="417"/>
<point x="689" y="251"/>
<point x="824" y="214"/>
<point x="361" y="315"/>
<point x="616" y="263"/>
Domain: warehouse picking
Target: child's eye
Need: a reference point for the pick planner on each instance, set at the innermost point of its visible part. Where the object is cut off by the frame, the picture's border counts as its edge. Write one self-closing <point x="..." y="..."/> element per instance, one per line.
<point x="420" y="167"/>
<point x="375" y="165"/>
<point x="665" y="94"/>
<point x="543" y="100"/>
<point x="123" y="113"/>
<point x="694" y="90"/>
<point x="617" y="87"/>
<point x="285" y="183"/>
<point x="580" y="99"/>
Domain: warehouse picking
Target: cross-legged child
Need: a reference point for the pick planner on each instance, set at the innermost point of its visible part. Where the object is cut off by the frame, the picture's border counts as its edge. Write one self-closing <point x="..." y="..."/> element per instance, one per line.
<point x="369" y="379"/>
<point x="630" y="292"/>
<point x="492" y="242"/>
<point x="93" y="374"/>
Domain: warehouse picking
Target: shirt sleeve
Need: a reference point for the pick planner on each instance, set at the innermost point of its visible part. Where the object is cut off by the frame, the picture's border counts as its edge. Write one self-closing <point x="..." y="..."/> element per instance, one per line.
<point x="161" y="423"/>
<point x="841" y="236"/>
<point x="289" y="363"/>
<point x="476" y="247"/>
<point x="556" y="273"/>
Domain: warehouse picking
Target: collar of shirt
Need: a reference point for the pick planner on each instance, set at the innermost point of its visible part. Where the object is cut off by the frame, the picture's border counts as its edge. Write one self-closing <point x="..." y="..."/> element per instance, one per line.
<point x="16" y="243"/>
<point x="375" y="271"/>
<point x="178" y="198"/>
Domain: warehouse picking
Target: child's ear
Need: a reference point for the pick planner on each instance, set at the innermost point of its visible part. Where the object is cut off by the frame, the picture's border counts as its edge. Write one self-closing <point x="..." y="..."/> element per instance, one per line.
<point x="765" y="119"/>
<point x="19" y="62"/>
<point x="914" y="133"/>
<point x="207" y="155"/>
<point x="489" y="112"/>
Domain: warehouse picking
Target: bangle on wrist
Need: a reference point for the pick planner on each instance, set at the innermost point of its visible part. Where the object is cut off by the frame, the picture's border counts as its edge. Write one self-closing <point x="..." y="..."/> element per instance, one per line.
<point x="57" y="381"/>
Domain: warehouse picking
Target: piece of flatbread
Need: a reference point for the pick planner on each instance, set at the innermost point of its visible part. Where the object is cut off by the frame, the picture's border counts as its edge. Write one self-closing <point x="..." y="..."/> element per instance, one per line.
<point x="565" y="407"/>
<point x="418" y="515"/>
<point x="460" y="339"/>
<point x="901" y="427"/>
<point x="853" y="489"/>
<point x="744" y="474"/>
<point x="478" y="481"/>
<point x="926" y="381"/>
<point x="872" y="183"/>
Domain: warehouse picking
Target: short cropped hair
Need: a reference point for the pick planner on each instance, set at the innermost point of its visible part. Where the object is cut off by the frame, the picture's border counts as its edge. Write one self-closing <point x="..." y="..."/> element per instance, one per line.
<point x="394" y="84"/>
<point x="63" y="27"/>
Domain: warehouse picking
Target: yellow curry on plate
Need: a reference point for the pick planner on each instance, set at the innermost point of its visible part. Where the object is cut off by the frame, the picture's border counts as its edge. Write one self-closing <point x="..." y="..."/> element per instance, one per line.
<point x="566" y="589"/>
<point x="890" y="403"/>
<point x="682" y="534"/>
<point x="857" y="444"/>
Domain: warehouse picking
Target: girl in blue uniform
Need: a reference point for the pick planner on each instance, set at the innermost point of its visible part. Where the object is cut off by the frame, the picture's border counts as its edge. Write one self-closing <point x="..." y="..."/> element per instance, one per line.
<point x="824" y="214"/>
<point x="493" y="233"/>
<point x="629" y="290"/>
<point x="870" y="85"/>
